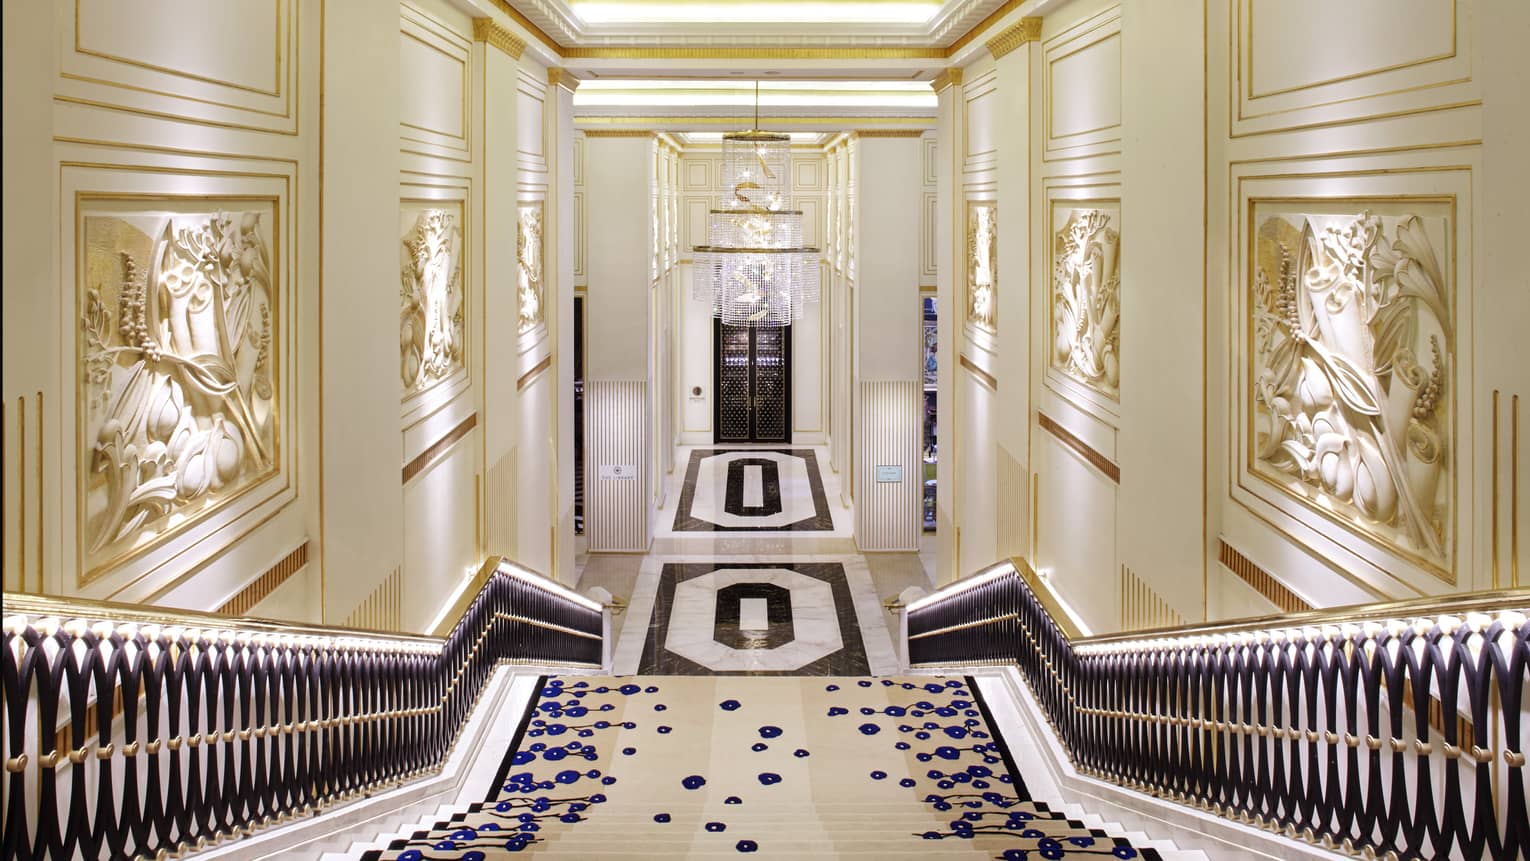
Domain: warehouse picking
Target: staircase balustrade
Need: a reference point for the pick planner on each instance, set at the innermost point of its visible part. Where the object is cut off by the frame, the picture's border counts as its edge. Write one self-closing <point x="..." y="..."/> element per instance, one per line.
<point x="139" y="731"/>
<point x="1390" y="730"/>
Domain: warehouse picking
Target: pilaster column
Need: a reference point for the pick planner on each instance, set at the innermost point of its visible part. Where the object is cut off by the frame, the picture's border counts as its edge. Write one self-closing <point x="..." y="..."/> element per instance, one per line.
<point x="950" y="240"/>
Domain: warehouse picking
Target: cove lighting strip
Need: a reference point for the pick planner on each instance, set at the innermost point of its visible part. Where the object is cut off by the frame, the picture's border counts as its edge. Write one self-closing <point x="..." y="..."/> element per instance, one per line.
<point x="783" y="12"/>
<point x="986" y="576"/>
<point x="547" y="584"/>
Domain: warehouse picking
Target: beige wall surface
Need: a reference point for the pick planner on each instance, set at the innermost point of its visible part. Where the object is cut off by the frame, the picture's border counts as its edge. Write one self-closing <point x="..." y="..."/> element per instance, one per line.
<point x="362" y="500"/>
<point x="1123" y="398"/>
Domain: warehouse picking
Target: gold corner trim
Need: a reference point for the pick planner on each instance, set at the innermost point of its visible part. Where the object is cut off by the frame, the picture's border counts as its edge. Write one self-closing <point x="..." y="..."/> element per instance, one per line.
<point x="947" y="78"/>
<point x="489" y="32"/>
<point x="558" y="76"/>
<point x="1020" y="33"/>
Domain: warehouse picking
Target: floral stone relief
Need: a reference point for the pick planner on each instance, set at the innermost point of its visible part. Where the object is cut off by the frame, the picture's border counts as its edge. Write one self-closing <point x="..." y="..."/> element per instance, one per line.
<point x="528" y="257"/>
<point x="178" y="398"/>
<point x="431" y="325"/>
<point x="1353" y="354"/>
<point x="982" y="264"/>
<point x="1086" y="299"/>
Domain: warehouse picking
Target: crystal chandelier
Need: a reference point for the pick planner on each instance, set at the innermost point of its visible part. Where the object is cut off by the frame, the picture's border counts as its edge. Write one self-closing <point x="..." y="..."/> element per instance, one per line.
<point x="755" y="270"/>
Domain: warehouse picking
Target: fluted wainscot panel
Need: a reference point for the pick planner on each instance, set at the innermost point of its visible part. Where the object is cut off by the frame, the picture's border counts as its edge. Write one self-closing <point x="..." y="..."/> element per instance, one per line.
<point x="617" y="497"/>
<point x="499" y="505"/>
<point x="888" y="478"/>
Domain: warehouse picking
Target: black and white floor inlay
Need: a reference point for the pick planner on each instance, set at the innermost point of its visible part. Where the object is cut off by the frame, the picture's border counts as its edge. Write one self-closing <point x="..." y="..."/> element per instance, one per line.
<point x="757" y="618"/>
<point x="753" y="490"/>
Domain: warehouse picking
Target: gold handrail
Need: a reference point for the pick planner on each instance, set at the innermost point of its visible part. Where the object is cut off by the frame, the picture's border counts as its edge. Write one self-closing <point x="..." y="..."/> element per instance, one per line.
<point x="93" y="610"/>
<point x="1412" y="608"/>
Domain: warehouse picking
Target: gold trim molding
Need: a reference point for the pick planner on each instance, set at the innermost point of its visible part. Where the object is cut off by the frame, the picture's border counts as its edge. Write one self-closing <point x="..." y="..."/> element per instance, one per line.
<point x="559" y="77"/>
<point x="890" y="133"/>
<point x="1023" y="31"/>
<point x="245" y="600"/>
<point x="947" y="78"/>
<point x="1260" y="580"/>
<point x="489" y="32"/>
<point x="618" y="133"/>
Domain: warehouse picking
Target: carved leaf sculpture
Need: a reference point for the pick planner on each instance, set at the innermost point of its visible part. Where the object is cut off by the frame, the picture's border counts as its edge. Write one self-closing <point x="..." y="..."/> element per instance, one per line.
<point x="1086" y="300"/>
<point x="982" y="264"/>
<point x="1344" y="413"/>
<point x="528" y="253"/>
<point x="178" y="405"/>
<point x="431" y="324"/>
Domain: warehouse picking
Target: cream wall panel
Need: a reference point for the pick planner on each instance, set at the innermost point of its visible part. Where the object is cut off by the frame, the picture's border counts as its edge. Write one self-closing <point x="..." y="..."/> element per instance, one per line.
<point x="234" y="65"/>
<point x="982" y="122"/>
<point x="440" y="531"/>
<point x="1076" y="533"/>
<point x="975" y="458"/>
<point x="1081" y="82"/>
<point x="616" y="314"/>
<point x="530" y="103"/>
<point x="363" y="502"/>
<point x="616" y="509"/>
<point x="1309" y="63"/>
<point x="887" y="513"/>
<point x="1161" y="446"/>
<point x="436" y="90"/>
<point x="241" y="47"/>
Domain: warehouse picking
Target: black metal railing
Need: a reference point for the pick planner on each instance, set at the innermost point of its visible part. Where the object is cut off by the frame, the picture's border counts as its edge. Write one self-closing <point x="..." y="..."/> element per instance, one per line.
<point x="130" y="731"/>
<point x="1392" y="728"/>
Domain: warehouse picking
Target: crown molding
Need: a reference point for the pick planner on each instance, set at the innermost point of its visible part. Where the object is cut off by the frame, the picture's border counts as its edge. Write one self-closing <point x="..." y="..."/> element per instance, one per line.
<point x="489" y="32"/>
<point x="947" y="78"/>
<point x="890" y="133"/>
<point x="617" y="133"/>
<point x="1021" y="32"/>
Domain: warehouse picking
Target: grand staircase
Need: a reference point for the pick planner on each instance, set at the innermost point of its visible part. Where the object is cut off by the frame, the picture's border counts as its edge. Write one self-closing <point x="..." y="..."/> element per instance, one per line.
<point x="700" y="767"/>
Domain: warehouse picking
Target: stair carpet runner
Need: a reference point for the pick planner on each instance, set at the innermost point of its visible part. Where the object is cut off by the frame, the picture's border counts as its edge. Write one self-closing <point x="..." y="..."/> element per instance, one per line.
<point x="698" y="767"/>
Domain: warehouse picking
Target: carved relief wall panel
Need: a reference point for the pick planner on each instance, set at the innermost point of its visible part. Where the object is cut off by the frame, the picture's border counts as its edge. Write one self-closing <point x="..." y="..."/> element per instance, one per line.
<point x="178" y="340"/>
<point x="1352" y="369"/>
<point x="982" y="264"/>
<point x="528" y="260"/>
<point x="1086" y="294"/>
<point x="432" y="298"/>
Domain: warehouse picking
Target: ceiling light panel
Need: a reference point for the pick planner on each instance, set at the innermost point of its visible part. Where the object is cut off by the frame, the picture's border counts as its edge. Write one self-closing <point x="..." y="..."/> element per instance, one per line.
<point x="784" y="11"/>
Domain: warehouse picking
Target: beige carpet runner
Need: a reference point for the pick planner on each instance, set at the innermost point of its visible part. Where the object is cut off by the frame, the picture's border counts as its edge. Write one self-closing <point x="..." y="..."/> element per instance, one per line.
<point x="697" y="767"/>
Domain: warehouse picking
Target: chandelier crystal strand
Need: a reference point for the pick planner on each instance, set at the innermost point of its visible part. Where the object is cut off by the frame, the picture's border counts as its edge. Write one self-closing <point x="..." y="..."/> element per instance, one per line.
<point x="755" y="269"/>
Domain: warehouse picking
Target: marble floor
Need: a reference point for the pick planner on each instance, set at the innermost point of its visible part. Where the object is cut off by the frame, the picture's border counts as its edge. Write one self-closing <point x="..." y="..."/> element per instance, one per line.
<point x="754" y="572"/>
<point x="822" y="617"/>
<point x="753" y="490"/>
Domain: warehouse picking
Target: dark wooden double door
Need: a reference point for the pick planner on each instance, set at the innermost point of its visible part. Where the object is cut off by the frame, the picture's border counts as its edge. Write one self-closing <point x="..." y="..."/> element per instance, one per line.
<point x="753" y="383"/>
